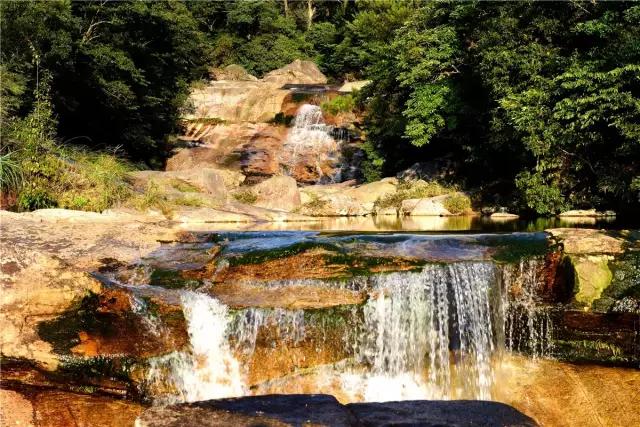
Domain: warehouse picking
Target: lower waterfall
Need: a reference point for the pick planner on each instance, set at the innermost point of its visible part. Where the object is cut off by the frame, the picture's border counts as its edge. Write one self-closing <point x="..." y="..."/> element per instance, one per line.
<point x="434" y="334"/>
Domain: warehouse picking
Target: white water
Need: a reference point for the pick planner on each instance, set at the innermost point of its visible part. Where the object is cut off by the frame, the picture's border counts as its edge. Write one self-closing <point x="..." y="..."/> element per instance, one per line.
<point x="311" y="140"/>
<point x="209" y="370"/>
<point x="426" y="335"/>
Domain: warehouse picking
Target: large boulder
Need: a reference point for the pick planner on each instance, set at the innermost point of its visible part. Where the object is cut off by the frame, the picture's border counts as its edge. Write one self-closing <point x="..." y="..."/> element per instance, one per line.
<point x="369" y="193"/>
<point x="278" y="193"/>
<point x="336" y="204"/>
<point x="431" y="206"/>
<point x="298" y="72"/>
<point x="268" y="411"/>
<point x="236" y="101"/>
<point x="348" y="87"/>
<point x="589" y="241"/>
<point x="211" y="182"/>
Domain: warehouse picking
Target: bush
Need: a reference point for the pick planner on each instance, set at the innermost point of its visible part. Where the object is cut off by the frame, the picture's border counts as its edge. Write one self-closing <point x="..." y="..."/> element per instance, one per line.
<point x="458" y="203"/>
<point x="339" y="104"/>
<point x="54" y="175"/>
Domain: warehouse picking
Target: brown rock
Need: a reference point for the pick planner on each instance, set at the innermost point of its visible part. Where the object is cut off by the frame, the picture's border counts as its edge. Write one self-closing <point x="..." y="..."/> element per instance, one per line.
<point x="298" y="72"/>
<point x="62" y="409"/>
<point x="278" y="193"/>
<point x="588" y="241"/>
<point x="15" y="410"/>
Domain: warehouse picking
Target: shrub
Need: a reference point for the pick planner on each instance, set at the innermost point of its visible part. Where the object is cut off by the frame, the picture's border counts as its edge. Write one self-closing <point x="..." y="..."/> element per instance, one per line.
<point x="339" y="104"/>
<point x="458" y="203"/>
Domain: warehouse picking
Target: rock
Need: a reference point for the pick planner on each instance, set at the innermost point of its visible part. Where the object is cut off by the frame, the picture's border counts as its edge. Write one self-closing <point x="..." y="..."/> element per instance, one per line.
<point x="432" y="206"/>
<point x="231" y="72"/>
<point x="348" y="87"/>
<point x="439" y="413"/>
<point x="204" y="180"/>
<point x="46" y="258"/>
<point x="592" y="277"/>
<point x="587" y="213"/>
<point x="336" y="204"/>
<point x="252" y="149"/>
<point x="503" y="216"/>
<point x="324" y="410"/>
<point x="291" y="297"/>
<point x="589" y="241"/>
<point x="236" y="101"/>
<point x="277" y="193"/>
<point x="298" y="72"/>
<point x="15" y="410"/>
<point x="61" y="409"/>
<point x="232" y="212"/>
<point x="369" y="193"/>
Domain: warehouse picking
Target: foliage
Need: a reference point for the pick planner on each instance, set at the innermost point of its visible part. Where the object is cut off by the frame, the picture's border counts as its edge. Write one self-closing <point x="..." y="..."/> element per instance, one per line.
<point x="543" y="96"/>
<point x="457" y="203"/>
<point x="10" y="172"/>
<point x="119" y="70"/>
<point x="57" y="175"/>
<point x="339" y="104"/>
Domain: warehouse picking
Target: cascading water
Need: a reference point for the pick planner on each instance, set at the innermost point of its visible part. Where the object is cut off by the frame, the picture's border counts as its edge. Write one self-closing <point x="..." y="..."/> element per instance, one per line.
<point x="434" y="334"/>
<point x="527" y="322"/>
<point x="209" y="370"/>
<point x="428" y="335"/>
<point x="312" y="140"/>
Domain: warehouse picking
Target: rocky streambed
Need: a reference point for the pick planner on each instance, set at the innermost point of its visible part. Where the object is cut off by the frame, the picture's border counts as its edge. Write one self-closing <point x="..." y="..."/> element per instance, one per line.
<point x="106" y="315"/>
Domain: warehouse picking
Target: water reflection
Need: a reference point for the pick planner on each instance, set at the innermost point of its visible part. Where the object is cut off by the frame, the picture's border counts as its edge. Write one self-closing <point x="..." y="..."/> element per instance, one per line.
<point x="412" y="223"/>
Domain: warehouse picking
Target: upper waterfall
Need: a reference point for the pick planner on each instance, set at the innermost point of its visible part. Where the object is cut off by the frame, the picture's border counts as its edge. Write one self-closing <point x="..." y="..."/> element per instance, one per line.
<point x="312" y="142"/>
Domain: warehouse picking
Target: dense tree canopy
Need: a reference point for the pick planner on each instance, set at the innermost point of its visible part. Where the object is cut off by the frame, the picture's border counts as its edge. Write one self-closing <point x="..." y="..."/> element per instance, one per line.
<point x="537" y="103"/>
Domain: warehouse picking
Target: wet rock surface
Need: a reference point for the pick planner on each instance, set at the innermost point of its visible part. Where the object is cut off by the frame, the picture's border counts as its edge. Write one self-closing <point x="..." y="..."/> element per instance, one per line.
<point x="324" y="410"/>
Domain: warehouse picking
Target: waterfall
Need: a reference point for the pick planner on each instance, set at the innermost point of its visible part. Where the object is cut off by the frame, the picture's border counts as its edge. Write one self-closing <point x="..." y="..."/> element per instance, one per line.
<point x="209" y="370"/>
<point x="527" y="322"/>
<point x="312" y="142"/>
<point x="428" y="335"/>
<point x="434" y="334"/>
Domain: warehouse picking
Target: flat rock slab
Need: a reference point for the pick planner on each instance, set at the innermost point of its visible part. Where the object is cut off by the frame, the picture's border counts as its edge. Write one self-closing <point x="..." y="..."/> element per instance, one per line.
<point x="269" y="410"/>
<point x="439" y="413"/>
<point x="325" y="410"/>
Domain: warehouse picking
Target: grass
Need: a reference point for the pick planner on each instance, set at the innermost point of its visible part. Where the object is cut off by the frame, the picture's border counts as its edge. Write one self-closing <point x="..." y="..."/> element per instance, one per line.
<point x="183" y="186"/>
<point x="10" y="172"/>
<point x="246" y="196"/>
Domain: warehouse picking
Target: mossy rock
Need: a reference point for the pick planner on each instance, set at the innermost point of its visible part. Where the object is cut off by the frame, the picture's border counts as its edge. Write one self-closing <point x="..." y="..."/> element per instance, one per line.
<point x="592" y="277"/>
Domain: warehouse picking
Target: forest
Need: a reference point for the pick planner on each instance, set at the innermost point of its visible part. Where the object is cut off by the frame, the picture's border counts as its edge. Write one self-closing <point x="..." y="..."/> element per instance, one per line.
<point x="537" y="104"/>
